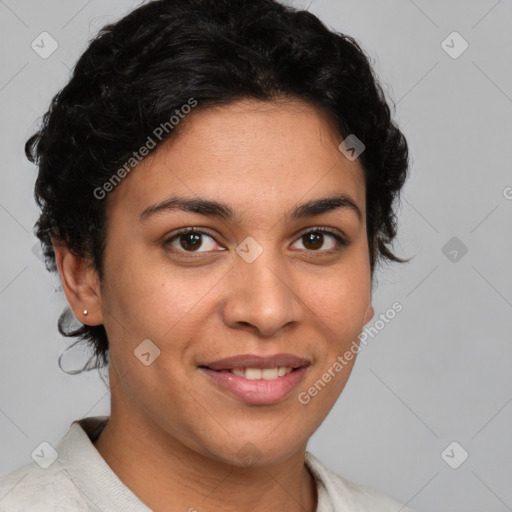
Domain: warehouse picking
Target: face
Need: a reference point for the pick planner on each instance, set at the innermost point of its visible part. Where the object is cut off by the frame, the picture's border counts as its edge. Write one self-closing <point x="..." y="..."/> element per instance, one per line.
<point x="259" y="278"/>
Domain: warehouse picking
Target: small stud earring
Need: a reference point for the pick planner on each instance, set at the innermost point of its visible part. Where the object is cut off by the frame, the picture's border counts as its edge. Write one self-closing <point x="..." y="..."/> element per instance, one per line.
<point x="85" y="311"/>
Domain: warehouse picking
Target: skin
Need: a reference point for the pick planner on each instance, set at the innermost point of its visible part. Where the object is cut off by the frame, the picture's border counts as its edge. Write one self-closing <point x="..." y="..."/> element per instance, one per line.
<point x="173" y="436"/>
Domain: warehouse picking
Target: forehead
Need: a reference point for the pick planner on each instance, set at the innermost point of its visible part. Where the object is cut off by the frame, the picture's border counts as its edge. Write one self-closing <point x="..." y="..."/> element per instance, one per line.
<point x="242" y="154"/>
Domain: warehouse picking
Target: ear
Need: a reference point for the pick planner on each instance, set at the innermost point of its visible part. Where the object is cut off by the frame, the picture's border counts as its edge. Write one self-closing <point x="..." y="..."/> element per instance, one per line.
<point x="81" y="284"/>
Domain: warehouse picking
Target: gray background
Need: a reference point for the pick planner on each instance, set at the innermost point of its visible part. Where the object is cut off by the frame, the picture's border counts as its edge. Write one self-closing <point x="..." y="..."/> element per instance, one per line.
<point x="440" y="371"/>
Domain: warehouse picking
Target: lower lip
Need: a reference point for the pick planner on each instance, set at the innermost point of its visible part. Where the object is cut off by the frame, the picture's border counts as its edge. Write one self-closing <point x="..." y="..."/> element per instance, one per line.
<point x="258" y="391"/>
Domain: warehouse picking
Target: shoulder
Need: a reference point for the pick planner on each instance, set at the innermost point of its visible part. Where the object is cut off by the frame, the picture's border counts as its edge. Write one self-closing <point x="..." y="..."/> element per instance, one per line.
<point x="347" y="495"/>
<point x="50" y="485"/>
<point x="30" y="488"/>
<point x="369" y="498"/>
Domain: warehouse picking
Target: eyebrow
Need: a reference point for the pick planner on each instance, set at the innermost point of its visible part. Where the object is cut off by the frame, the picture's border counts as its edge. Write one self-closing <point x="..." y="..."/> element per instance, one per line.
<point x="219" y="210"/>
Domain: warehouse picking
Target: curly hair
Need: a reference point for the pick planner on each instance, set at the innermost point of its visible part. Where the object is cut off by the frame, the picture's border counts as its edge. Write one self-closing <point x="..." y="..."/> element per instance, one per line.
<point x="139" y="70"/>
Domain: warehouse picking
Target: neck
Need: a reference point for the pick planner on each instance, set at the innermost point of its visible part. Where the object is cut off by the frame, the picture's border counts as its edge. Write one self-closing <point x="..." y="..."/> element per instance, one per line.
<point x="166" y="475"/>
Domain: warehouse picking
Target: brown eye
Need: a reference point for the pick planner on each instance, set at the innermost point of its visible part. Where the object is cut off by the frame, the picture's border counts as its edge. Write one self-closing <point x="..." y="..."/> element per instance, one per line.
<point x="315" y="239"/>
<point x="191" y="240"/>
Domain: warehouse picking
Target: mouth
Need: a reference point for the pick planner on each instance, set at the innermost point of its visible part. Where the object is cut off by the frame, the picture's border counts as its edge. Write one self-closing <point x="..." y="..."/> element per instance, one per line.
<point x="257" y="373"/>
<point x="256" y="362"/>
<point x="255" y="379"/>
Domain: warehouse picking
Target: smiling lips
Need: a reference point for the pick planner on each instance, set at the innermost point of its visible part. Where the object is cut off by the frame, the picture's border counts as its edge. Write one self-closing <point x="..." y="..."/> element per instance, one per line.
<point x="254" y="361"/>
<point x="255" y="379"/>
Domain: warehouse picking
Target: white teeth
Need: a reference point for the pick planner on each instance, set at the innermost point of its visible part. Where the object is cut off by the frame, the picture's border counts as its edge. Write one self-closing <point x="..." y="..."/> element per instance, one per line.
<point x="252" y="373"/>
<point x="282" y="371"/>
<point x="269" y="373"/>
<point x="262" y="373"/>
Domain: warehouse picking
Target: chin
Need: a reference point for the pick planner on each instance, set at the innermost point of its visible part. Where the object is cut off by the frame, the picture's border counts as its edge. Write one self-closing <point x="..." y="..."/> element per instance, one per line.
<point x="256" y="452"/>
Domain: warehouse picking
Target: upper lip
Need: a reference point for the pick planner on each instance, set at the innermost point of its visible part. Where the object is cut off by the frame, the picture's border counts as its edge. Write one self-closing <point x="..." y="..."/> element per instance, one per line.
<point x="255" y="361"/>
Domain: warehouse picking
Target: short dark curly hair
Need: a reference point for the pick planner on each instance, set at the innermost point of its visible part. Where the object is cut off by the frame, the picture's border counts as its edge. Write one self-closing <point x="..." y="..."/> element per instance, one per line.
<point x="138" y="71"/>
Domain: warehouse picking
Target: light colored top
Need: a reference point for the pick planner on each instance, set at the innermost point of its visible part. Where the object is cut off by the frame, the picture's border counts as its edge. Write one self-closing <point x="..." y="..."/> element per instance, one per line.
<point x="77" y="478"/>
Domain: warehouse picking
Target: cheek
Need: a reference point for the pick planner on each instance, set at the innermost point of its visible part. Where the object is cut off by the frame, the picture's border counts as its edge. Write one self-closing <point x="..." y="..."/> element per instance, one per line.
<point x="150" y="299"/>
<point x="338" y="314"/>
<point x="341" y="302"/>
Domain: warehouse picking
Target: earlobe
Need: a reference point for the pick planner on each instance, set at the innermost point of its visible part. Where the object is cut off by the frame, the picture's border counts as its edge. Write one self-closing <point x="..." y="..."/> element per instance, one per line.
<point x="80" y="283"/>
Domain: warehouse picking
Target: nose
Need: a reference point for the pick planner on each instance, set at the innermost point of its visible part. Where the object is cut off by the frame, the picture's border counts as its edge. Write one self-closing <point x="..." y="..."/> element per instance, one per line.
<point x="262" y="296"/>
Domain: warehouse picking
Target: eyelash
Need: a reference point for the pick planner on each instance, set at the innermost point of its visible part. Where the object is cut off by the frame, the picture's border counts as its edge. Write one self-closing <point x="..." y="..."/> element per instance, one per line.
<point x="341" y="241"/>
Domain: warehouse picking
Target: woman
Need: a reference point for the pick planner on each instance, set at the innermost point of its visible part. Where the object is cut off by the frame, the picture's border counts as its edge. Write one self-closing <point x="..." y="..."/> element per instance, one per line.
<point x="217" y="184"/>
